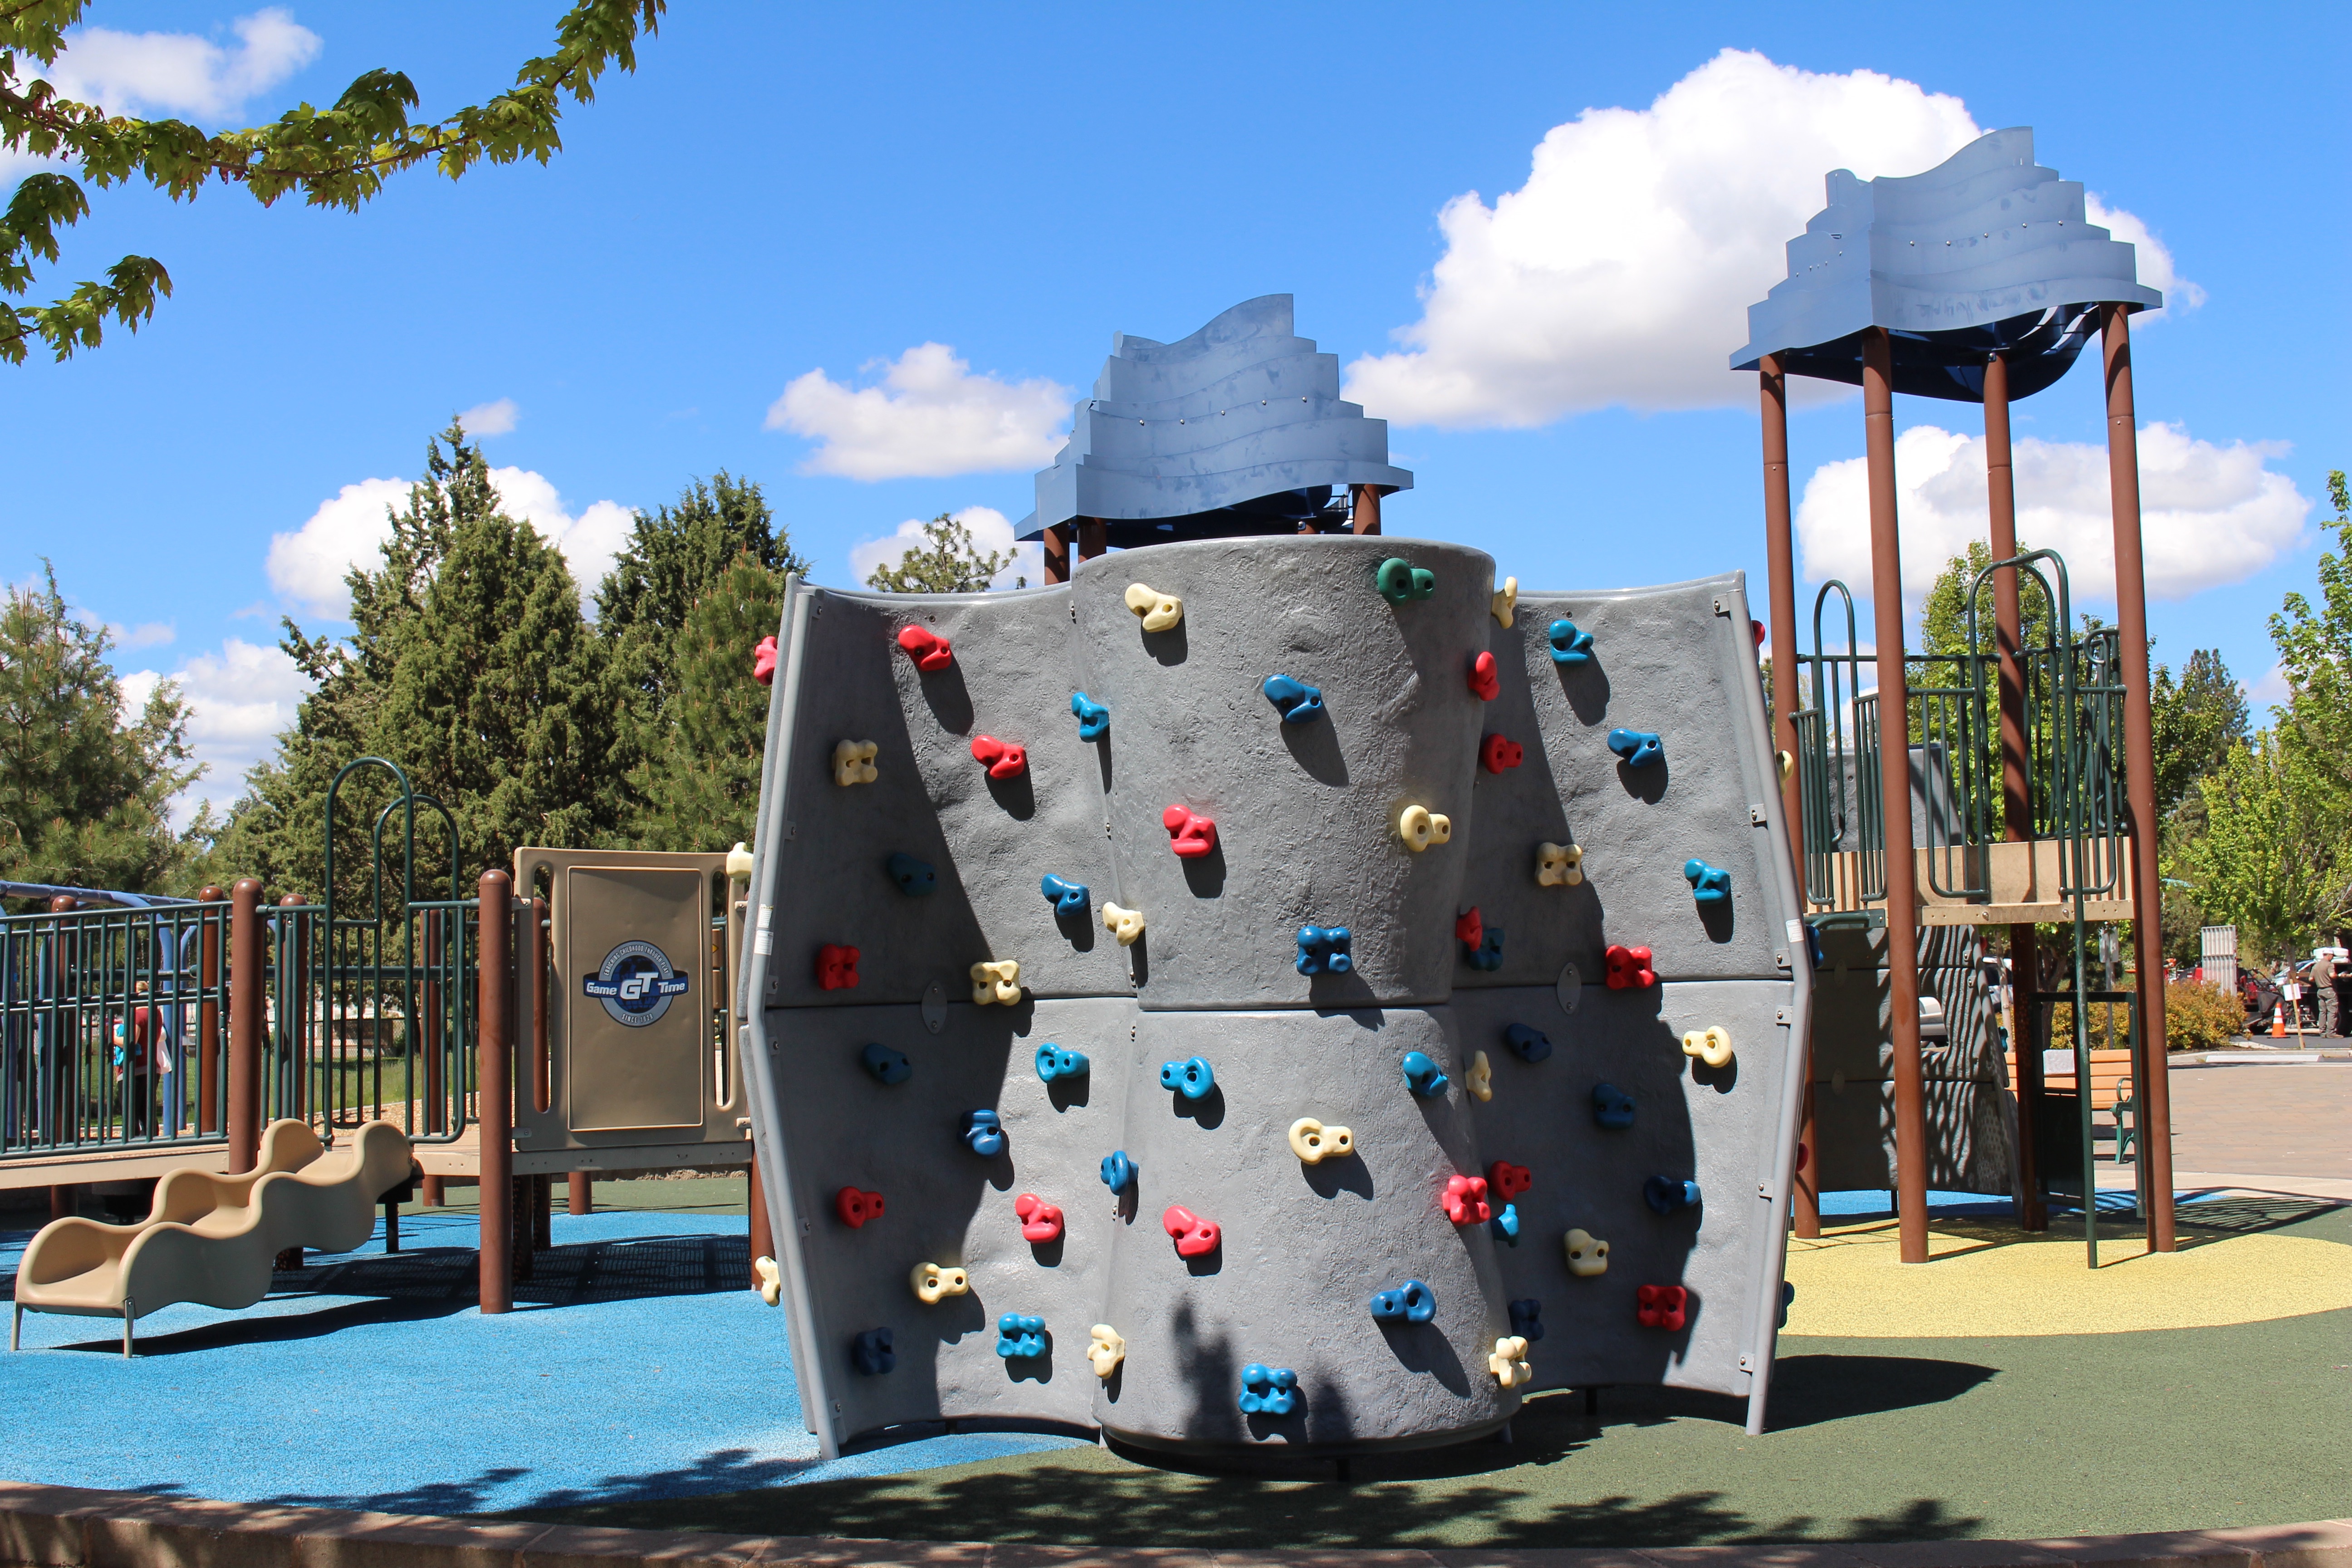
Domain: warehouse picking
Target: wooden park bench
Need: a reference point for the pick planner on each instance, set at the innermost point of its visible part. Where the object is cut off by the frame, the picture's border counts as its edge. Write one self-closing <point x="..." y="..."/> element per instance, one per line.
<point x="2111" y="1094"/>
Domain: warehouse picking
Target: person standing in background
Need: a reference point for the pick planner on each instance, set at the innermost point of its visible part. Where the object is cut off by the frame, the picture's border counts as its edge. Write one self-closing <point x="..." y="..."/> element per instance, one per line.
<point x="2323" y="980"/>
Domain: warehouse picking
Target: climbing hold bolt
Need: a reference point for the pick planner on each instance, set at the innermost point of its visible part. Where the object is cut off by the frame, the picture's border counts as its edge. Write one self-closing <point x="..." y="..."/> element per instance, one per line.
<point x="926" y="647"/>
<point x="1190" y="833"/>
<point x="1191" y="1079"/>
<point x="1711" y="1045"/>
<point x="1155" y="610"/>
<point x="1640" y="748"/>
<point x="1067" y="898"/>
<point x="1040" y="1221"/>
<point x="889" y="1066"/>
<point x="1401" y="582"/>
<point x="998" y="983"/>
<point x="1420" y="827"/>
<point x="1005" y="758"/>
<point x="1314" y="1143"/>
<point x="853" y="762"/>
<point x="1298" y="701"/>
<point x="932" y="1282"/>
<point x="1568" y="646"/>
<point x="1324" y="950"/>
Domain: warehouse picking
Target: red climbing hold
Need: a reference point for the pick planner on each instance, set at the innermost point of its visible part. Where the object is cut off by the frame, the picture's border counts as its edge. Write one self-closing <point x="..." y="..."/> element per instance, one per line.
<point x="1485" y="677"/>
<point x="855" y="1207"/>
<point x="1661" y="1306"/>
<point x="1629" y="968"/>
<point x="1758" y="627"/>
<point x="764" y="661"/>
<point x="1496" y="753"/>
<point x="1195" y="1237"/>
<point x="1040" y="1221"/>
<point x="1005" y="759"/>
<point x="836" y="966"/>
<point x="1507" y="1180"/>
<point x="1466" y="1200"/>
<point x="1469" y="929"/>
<point x="1191" y="835"/>
<point x="927" y="649"/>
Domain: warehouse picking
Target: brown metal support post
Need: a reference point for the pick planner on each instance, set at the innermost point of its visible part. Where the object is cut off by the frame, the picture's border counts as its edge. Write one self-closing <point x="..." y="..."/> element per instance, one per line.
<point x="245" y="1025"/>
<point x="1364" y="509"/>
<point x="2017" y="798"/>
<point x="1057" y="554"/>
<point x="1787" y="696"/>
<point x="2155" y="1096"/>
<point x="764" y="1239"/>
<point x="65" y="1200"/>
<point x="1092" y="538"/>
<point x="430" y="1192"/>
<point x="208" y="979"/>
<point x="583" y="1192"/>
<point x="494" y="1075"/>
<point x="1895" y="797"/>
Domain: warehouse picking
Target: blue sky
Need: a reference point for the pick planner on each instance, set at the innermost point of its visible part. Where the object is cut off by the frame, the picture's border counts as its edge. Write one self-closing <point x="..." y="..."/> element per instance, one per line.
<point x="801" y="198"/>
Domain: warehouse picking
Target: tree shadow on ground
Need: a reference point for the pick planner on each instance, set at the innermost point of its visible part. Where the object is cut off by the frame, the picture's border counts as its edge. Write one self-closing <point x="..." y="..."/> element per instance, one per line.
<point x="1485" y="1493"/>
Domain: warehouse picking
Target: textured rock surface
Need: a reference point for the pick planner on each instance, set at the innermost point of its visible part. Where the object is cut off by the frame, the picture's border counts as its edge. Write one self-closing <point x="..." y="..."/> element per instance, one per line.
<point x="1307" y="833"/>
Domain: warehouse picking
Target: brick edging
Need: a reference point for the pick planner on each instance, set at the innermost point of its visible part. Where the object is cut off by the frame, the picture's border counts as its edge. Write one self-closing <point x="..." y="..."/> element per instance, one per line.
<point x="73" y="1527"/>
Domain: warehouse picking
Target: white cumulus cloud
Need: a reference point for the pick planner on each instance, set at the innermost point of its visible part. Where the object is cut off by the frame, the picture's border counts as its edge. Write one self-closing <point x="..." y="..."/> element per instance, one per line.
<point x="240" y="699"/>
<point x="306" y="566"/>
<point x="928" y="417"/>
<point x="2209" y="515"/>
<point x="1622" y="271"/>
<point x="992" y="533"/>
<point x="493" y="418"/>
<point x="181" y="73"/>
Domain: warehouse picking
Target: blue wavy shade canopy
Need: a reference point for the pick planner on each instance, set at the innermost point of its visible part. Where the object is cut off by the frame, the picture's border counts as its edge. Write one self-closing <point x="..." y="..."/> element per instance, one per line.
<point x="1988" y="252"/>
<point x="1238" y="429"/>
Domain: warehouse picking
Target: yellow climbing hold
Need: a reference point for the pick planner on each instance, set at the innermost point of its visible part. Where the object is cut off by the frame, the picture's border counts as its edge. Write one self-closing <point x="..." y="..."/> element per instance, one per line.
<point x="1158" y="611"/>
<point x="1420" y="827"/>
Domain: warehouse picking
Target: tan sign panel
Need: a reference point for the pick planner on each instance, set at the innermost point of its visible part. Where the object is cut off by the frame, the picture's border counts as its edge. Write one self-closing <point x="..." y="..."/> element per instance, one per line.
<point x="636" y="972"/>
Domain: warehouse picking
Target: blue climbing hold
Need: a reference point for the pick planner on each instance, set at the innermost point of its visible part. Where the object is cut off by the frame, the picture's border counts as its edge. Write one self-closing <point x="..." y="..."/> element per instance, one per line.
<point x="1268" y="1391"/>
<point x="1019" y="1335"/>
<point x="1118" y="1170"/>
<point x="984" y="1132"/>
<point x="1191" y="1078"/>
<point x="1094" y="719"/>
<point x="1323" y="950"/>
<point x="1570" y="646"/>
<point x="1709" y="884"/>
<point x="1611" y="1106"/>
<point x="1488" y="954"/>
<point x="1668" y="1193"/>
<point x="889" y="1066"/>
<point x="1422" y="1074"/>
<point x="1411" y="1302"/>
<point x="1640" y="748"/>
<point x="1300" y="703"/>
<point x="1054" y="1062"/>
<point x="1528" y="1044"/>
<point x="1527" y="1319"/>
<point x="1067" y="898"/>
<point x="915" y="878"/>
<point x="870" y="1353"/>
<point x="1506" y="1224"/>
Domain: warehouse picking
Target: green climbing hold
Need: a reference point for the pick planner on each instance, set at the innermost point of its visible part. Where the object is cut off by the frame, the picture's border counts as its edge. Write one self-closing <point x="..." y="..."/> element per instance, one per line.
<point x="1401" y="582"/>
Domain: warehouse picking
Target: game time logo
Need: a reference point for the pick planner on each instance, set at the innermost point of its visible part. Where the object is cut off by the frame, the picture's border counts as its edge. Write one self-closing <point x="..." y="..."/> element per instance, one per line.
<point x="635" y="984"/>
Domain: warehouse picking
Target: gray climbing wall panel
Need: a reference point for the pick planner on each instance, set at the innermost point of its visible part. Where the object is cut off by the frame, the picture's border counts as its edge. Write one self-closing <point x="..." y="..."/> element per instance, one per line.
<point x="1307" y="833"/>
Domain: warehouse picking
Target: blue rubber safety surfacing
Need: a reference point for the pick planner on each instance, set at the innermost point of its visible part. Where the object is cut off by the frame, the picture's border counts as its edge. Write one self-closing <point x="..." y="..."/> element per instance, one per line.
<point x="636" y="1365"/>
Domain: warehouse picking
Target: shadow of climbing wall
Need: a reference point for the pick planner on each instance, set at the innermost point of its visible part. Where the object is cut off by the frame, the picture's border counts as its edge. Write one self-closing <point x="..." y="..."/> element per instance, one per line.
<point x="1312" y="1242"/>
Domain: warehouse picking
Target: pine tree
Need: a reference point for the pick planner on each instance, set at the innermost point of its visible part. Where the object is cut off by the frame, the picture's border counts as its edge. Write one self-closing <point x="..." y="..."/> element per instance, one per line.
<point x="947" y="562"/>
<point x="699" y="784"/>
<point x="84" y="797"/>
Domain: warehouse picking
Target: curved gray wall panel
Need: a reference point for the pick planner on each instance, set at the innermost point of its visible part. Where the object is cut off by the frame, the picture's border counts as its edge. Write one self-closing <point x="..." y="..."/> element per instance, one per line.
<point x="1678" y="662"/>
<point x="1306" y="812"/>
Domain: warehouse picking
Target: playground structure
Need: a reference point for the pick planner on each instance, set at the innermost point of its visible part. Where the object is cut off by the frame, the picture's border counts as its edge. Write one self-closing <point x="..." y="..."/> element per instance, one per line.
<point x="1406" y="1022"/>
<point x="1981" y="281"/>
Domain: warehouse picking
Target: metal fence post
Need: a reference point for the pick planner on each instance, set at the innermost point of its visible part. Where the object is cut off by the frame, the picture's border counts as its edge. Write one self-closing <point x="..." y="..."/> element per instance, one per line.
<point x="208" y="979"/>
<point x="495" y="1078"/>
<point x="245" y="1004"/>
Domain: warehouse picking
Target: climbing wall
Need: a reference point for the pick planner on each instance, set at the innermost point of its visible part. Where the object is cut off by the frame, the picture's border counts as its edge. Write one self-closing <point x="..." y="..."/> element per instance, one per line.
<point x="1401" y="1016"/>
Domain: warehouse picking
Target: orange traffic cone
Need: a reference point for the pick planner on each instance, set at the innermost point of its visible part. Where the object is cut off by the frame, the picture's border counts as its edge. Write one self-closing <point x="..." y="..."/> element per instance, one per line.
<point x="2278" y="1021"/>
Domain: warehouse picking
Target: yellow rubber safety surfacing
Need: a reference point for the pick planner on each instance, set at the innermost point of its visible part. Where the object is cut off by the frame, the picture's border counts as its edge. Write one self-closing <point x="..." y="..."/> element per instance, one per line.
<point x="1991" y="1282"/>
